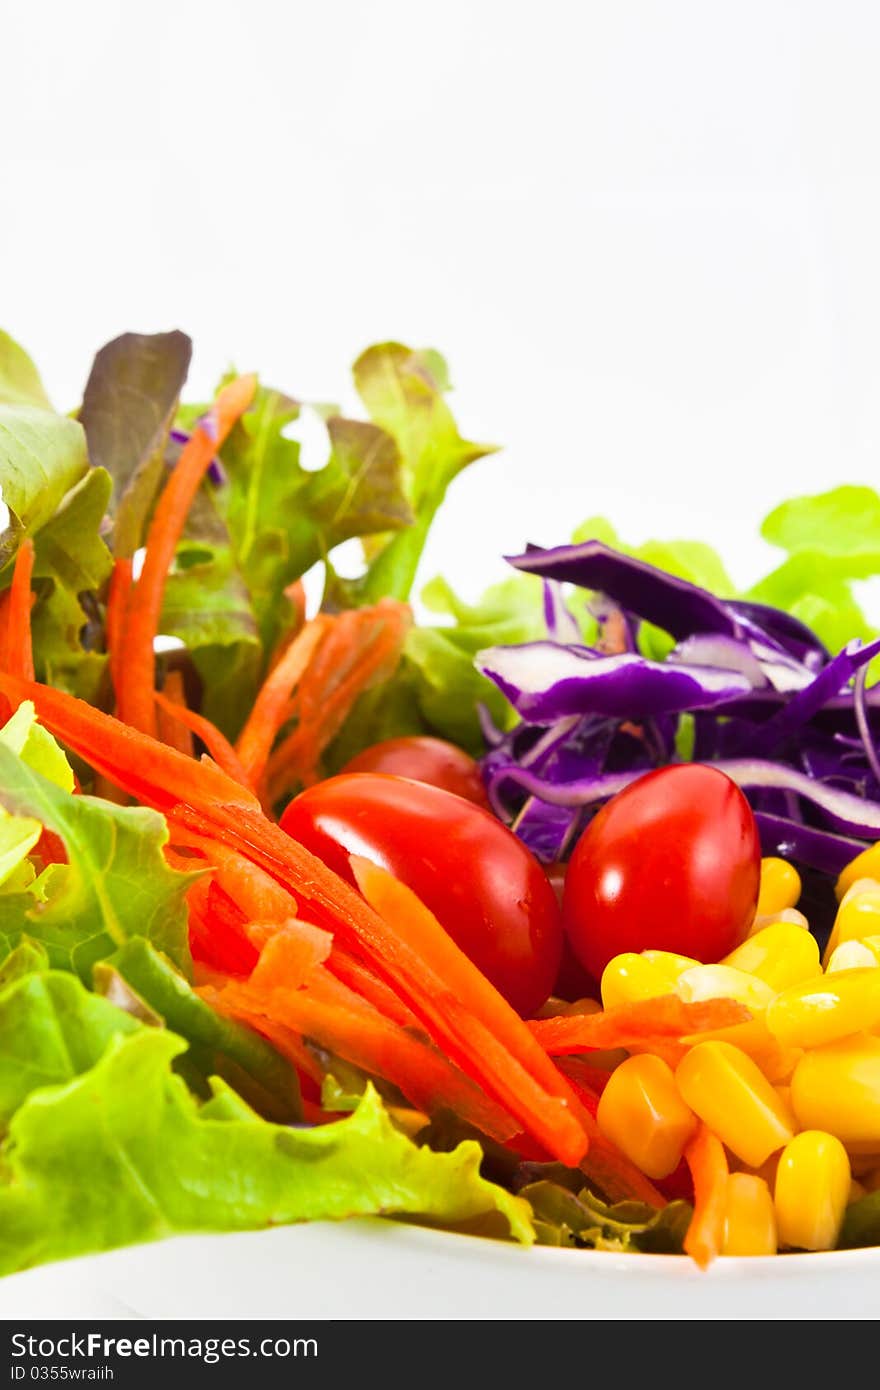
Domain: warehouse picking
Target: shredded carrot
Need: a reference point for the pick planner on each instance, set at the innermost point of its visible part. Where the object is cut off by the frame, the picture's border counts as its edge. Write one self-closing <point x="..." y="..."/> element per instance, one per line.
<point x="500" y="1048"/>
<point x="339" y="1021"/>
<point x="645" y="1022"/>
<point x="16" y="650"/>
<point x="218" y="930"/>
<point x="707" y="1162"/>
<point x="361" y="648"/>
<point x="174" y="730"/>
<point x="295" y="594"/>
<point x="117" y="611"/>
<point x="217" y="744"/>
<point x="269" y="711"/>
<point x="360" y="978"/>
<point x="289" y="956"/>
<point x="136" y="661"/>
<point x="230" y="1004"/>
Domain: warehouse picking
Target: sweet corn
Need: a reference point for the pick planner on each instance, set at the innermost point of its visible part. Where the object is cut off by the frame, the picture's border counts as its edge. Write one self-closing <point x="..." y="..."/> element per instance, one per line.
<point x="865" y="865"/>
<point x="630" y="976"/>
<point x="837" y="1088"/>
<point x="780" y="955"/>
<point x="724" y="982"/>
<point x="861" y="885"/>
<point x="820" y="1011"/>
<point x="789" y="914"/>
<point x="857" y="916"/>
<point x="749" y="1217"/>
<point x="730" y="1093"/>
<point x="812" y="1190"/>
<point x="780" y="886"/>
<point x="851" y="955"/>
<point x="642" y="1112"/>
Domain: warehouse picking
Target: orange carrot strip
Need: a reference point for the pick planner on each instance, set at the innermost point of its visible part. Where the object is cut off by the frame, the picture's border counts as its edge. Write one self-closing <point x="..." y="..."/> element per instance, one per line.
<point x="361" y="648"/>
<point x="159" y="776"/>
<point x="172" y="729"/>
<point x="666" y="1018"/>
<point x="707" y="1161"/>
<point x="231" y="1003"/>
<point x="269" y="709"/>
<point x="510" y="1061"/>
<point x="117" y="613"/>
<point x="360" y="978"/>
<point x="352" y="1030"/>
<point x="290" y="956"/>
<point x="135" y="697"/>
<point x="16" y="650"/>
<point x="217" y="744"/>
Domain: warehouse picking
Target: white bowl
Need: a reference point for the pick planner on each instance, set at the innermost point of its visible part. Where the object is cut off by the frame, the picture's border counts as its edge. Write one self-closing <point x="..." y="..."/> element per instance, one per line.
<point x="372" y="1269"/>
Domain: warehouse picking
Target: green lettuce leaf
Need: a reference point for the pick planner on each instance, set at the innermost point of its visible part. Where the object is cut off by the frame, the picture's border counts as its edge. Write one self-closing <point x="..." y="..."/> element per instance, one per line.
<point x="51" y="1030"/>
<point x="217" y="1046"/>
<point x="27" y="958"/>
<point x="861" y="1224"/>
<point x="36" y="747"/>
<point x="404" y="391"/>
<point x="20" y="382"/>
<point x="115" y="885"/>
<point x="129" y="403"/>
<point x="568" y="1218"/>
<point x="42" y="456"/>
<point x="157" y="1165"/>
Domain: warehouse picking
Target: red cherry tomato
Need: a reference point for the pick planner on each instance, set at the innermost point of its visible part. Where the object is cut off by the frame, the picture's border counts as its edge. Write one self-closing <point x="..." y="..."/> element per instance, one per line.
<point x="430" y="760"/>
<point x="672" y="863"/>
<point x="478" y="879"/>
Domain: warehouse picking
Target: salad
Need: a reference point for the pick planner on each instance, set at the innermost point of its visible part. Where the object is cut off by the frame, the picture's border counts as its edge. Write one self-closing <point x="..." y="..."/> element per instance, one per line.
<point x="554" y="920"/>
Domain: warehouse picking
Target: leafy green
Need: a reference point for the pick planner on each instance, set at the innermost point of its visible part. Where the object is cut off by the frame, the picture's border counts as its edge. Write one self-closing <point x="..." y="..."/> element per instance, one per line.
<point x="27" y="958"/>
<point x="404" y="391"/>
<point x="20" y="382"/>
<point x="861" y="1224"/>
<point x="116" y="883"/>
<point x="69" y="548"/>
<point x="129" y="403"/>
<point x="567" y="1218"/>
<point x="157" y="1165"/>
<point x="18" y="835"/>
<point x="36" y="747"/>
<point x="217" y="1046"/>
<point x="51" y="1030"/>
<point x="42" y="456"/>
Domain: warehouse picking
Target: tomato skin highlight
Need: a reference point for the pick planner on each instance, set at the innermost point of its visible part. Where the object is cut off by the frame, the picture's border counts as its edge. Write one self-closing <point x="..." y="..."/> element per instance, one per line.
<point x="671" y="863"/>
<point x="424" y="759"/>
<point x="479" y="880"/>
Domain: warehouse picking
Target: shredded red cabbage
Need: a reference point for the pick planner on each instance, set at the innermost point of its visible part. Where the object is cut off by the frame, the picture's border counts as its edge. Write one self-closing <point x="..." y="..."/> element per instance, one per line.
<point x="761" y="695"/>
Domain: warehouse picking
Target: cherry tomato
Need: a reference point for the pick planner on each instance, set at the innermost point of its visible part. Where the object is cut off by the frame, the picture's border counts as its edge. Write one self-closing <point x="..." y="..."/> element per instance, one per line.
<point x="424" y="759"/>
<point x="672" y="863"/>
<point x="478" y="879"/>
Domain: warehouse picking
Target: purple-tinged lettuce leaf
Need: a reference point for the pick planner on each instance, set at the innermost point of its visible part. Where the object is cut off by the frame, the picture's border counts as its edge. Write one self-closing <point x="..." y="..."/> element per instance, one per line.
<point x="128" y="406"/>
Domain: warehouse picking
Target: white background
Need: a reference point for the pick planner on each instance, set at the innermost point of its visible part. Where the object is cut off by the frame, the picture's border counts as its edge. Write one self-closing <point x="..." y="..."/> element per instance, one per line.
<point x="646" y="235"/>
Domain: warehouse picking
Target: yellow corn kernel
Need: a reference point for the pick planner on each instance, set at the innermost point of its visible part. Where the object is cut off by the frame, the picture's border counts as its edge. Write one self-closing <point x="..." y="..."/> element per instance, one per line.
<point x="630" y="976"/>
<point x="861" y="885"/>
<point x="812" y="1191"/>
<point x="837" y="1088"/>
<point x="642" y="1112"/>
<point x="873" y="945"/>
<point x="865" y="865"/>
<point x="749" y="1217"/>
<point x="857" y="916"/>
<point x="724" y="982"/>
<point x="780" y="955"/>
<point x="856" y="1192"/>
<point x="789" y="914"/>
<point x="851" y="955"/>
<point x="829" y="1007"/>
<point x="582" y="1007"/>
<point x="780" y="886"/>
<point x="730" y="1093"/>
